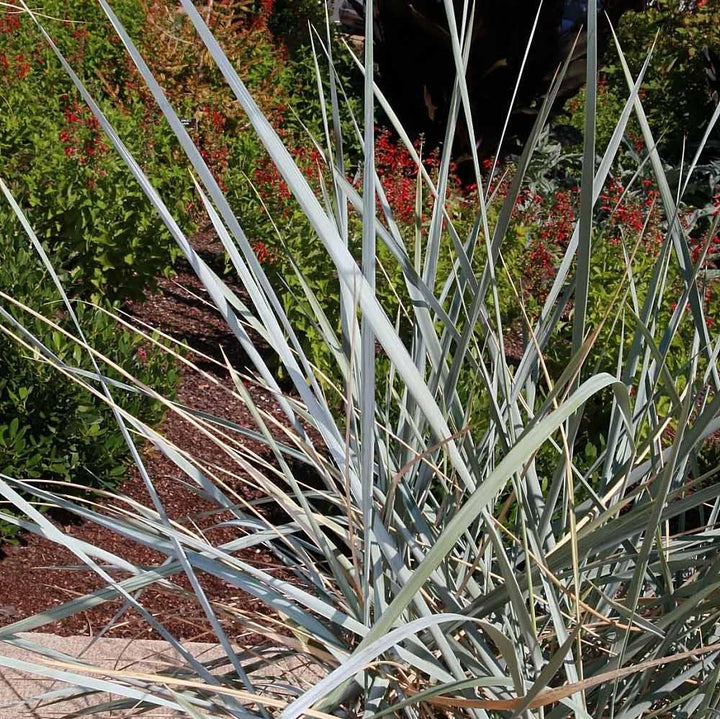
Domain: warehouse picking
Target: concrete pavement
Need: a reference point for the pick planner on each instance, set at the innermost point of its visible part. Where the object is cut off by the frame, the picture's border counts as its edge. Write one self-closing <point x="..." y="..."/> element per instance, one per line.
<point x="19" y="690"/>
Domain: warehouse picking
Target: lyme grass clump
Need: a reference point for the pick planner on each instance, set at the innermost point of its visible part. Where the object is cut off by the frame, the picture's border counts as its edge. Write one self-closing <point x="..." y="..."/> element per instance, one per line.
<point x="459" y="550"/>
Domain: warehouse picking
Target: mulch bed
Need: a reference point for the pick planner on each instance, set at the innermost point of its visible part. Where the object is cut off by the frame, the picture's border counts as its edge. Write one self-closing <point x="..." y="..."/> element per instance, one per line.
<point x="38" y="574"/>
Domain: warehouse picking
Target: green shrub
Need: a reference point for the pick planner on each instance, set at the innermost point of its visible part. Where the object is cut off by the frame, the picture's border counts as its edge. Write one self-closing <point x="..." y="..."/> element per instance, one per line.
<point x="79" y="196"/>
<point x="50" y="428"/>
<point x="676" y="93"/>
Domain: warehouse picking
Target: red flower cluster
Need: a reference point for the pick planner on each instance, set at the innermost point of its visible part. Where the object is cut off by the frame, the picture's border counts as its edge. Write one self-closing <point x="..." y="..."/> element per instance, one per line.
<point x="271" y="186"/>
<point x="265" y="255"/>
<point x="80" y="36"/>
<point x="22" y="66"/>
<point x="217" y="160"/>
<point x="263" y="12"/>
<point x="713" y="251"/>
<point x="709" y="321"/>
<point x="309" y="160"/>
<point x="539" y="269"/>
<point x="398" y="174"/>
<point x="561" y="223"/>
<point x="217" y="119"/>
<point x="275" y="193"/>
<point x="632" y="213"/>
<point x="212" y="145"/>
<point x="19" y="65"/>
<point x="555" y="215"/>
<point x="554" y="218"/>
<point x="9" y="21"/>
<point x="82" y="139"/>
<point x="623" y="215"/>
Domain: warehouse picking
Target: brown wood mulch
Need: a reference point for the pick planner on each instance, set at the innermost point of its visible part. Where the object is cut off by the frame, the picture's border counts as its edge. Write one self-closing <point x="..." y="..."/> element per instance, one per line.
<point x="38" y="574"/>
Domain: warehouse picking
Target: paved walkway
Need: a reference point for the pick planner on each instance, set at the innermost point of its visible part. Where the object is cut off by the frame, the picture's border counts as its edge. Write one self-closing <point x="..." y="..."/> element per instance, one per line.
<point x="19" y="690"/>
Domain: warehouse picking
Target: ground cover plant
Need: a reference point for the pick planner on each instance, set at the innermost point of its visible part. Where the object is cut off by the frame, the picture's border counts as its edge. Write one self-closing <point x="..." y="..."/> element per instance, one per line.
<point x="474" y="533"/>
<point x="50" y="429"/>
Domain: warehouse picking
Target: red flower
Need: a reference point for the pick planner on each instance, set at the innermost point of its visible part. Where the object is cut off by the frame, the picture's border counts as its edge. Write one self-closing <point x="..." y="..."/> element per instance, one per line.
<point x="217" y="119"/>
<point x="9" y="23"/>
<point x="22" y="67"/>
<point x="264" y="254"/>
